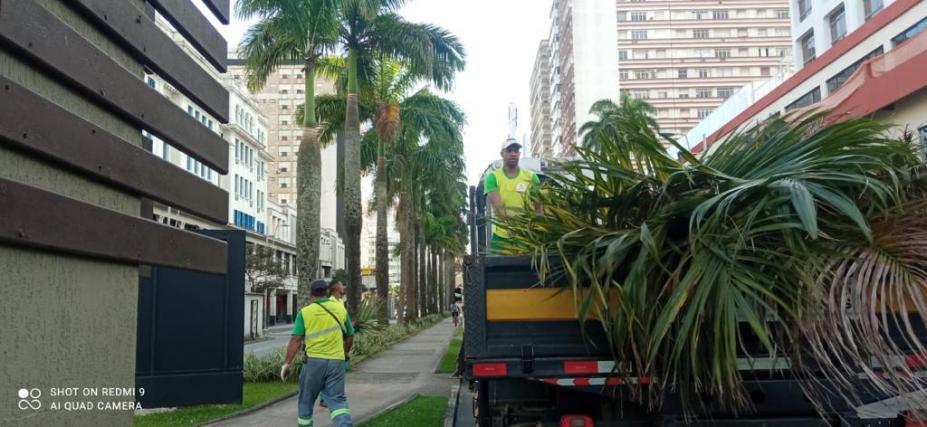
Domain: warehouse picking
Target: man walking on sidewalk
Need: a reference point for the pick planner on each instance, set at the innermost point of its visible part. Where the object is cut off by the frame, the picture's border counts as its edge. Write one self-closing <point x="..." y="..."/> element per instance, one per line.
<point x="324" y="327"/>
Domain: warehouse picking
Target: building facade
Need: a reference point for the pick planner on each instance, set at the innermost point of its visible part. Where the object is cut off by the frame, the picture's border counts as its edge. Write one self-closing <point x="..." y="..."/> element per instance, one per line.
<point x="583" y="68"/>
<point x="857" y="57"/>
<point x="283" y="92"/>
<point x="540" y="102"/>
<point x="686" y="57"/>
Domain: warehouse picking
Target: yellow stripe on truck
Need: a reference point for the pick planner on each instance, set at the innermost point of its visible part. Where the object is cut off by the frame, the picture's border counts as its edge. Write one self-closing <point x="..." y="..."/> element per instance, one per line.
<point x="533" y="304"/>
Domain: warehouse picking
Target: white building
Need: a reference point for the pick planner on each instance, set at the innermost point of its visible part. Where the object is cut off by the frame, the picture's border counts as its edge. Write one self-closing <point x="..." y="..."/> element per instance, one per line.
<point x="583" y="66"/>
<point x="855" y="57"/>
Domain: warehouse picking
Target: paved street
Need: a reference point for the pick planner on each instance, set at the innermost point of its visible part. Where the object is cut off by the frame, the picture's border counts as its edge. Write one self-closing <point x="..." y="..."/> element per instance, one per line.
<point x="279" y="335"/>
<point x="389" y="378"/>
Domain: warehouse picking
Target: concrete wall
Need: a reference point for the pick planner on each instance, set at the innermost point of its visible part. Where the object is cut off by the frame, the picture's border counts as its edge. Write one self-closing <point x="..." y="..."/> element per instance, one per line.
<point x="259" y="329"/>
<point x="68" y="321"/>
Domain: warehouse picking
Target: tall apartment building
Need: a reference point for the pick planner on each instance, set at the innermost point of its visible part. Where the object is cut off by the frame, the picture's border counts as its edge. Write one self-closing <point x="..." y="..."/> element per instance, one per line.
<point x="278" y="100"/>
<point x="856" y="58"/>
<point x="540" y="102"/>
<point x="687" y="57"/>
<point x="583" y="67"/>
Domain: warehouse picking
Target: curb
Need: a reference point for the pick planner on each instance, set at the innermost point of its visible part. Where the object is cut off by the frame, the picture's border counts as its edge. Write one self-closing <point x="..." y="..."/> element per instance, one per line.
<point x="450" y="416"/>
<point x="254" y="408"/>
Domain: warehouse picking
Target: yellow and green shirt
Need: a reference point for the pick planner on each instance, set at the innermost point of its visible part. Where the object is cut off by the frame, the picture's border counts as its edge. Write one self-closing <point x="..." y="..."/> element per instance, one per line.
<point x="323" y="335"/>
<point x="514" y="192"/>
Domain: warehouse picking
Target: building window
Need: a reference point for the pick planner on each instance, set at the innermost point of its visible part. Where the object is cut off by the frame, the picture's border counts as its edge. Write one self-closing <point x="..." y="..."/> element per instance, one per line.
<point x="725" y="92"/>
<point x="703" y="73"/>
<point x="840" y="78"/>
<point x="923" y="132"/>
<point x="722" y="53"/>
<point x="809" y="98"/>
<point x="639" y="35"/>
<point x="284" y="91"/>
<point x="622" y="55"/>
<point x="704" y="112"/>
<point x="623" y="74"/>
<point x="643" y="75"/>
<point x="871" y="7"/>
<point x="782" y="13"/>
<point x="804" y="9"/>
<point x="700" y="34"/>
<point x="683" y="73"/>
<point x="910" y="32"/>
<point x="638" y="16"/>
<point x="807" y="47"/>
<point x="703" y="93"/>
<point x="284" y="76"/>
<point x="837" y="22"/>
<point x="641" y="94"/>
<point x="719" y="14"/>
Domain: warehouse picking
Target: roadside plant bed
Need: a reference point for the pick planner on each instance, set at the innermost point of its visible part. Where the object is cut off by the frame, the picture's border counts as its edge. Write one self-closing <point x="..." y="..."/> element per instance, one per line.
<point x="421" y="411"/>
<point x="804" y="234"/>
<point x="253" y="394"/>
<point x="368" y="341"/>
<point x="448" y="363"/>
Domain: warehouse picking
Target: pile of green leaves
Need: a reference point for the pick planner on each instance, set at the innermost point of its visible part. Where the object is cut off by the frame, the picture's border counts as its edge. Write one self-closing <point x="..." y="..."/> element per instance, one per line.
<point x="796" y="238"/>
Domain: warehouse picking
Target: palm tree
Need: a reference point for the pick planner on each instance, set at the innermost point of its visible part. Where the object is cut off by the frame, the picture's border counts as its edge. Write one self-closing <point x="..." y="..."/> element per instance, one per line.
<point x="400" y="120"/>
<point x="806" y="237"/>
<point x="371" y="32"/>
<point x="417" y="166"/>
<point x="294" y="32"/>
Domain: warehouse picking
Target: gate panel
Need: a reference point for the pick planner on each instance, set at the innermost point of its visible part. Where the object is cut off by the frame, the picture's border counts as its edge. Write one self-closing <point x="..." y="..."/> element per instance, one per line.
<point x="190" y="345"/>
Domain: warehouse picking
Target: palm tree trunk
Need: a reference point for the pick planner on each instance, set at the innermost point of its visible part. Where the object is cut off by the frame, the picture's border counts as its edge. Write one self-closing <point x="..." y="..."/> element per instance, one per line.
<point x="407" y="249"/>
<point x="433" y="286"/>
<point x="352" y="189"/>
<point x="422" y="266"/>
<point x="308" y="193"/>
<point x="382" y="249"/>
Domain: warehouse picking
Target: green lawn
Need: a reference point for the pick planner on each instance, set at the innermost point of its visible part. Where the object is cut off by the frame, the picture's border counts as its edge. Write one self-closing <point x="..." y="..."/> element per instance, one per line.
<point x="449" y="362"/>
<point x="422" y="411"/>
<point x="254" y="394"/>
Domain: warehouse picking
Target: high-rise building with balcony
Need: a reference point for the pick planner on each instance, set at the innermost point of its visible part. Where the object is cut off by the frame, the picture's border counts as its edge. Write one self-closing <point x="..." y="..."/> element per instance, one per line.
<point x="687" y="57"/>
<point x="540" y="102"/>
<point x="583" y="68"/>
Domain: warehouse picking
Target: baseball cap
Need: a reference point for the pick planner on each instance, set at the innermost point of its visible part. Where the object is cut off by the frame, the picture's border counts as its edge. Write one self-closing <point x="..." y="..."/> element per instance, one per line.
<point x="510" y="142"/>
<point x="319" y="287"/>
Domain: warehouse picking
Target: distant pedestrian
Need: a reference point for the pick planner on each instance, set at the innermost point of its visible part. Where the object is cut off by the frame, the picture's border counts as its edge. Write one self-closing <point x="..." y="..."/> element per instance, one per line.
<point x="455" y="312"/>
<point x="321" y="328"/>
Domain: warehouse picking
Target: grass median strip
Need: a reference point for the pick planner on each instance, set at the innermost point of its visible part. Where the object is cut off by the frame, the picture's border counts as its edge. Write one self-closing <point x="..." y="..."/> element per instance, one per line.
<point x="421" y="411"/>
<point x="253" y="394"/>
<point x="449" y="362"/>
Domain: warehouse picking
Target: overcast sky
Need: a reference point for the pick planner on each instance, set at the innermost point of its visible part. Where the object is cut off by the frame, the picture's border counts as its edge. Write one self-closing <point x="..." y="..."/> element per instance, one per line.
<point x="501" y="39"/>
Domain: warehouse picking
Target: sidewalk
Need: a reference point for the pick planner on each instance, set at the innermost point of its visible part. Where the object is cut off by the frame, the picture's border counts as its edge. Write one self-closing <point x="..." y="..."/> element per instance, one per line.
<point x="394" y="375"/>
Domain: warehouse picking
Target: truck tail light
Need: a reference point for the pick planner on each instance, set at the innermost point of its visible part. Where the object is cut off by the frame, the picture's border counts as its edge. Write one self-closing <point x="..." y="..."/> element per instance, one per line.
<point x="490" y="369"/>
<point x="576" y="421"/>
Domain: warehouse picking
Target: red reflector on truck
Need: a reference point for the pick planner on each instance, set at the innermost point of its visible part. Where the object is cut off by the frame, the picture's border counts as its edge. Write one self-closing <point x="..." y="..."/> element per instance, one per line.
<point x="581" y="367"/>
<point x="916" y="361"/>
<point x="490" y="369"/>
<point x="576" y="421"/>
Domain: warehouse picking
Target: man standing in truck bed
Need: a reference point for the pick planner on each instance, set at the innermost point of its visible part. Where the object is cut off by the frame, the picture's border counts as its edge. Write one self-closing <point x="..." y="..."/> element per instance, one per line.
<point x="508" y="188"/>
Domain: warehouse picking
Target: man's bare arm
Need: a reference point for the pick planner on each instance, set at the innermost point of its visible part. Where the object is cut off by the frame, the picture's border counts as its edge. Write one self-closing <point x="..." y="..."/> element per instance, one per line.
<point x="296" y="343"/>
<point x="496" y="201"/>
<point x="348" y="343"/>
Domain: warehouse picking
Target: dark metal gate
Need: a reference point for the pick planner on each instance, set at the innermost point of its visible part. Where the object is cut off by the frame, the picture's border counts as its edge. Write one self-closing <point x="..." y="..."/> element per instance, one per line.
<point x="190" y="332"/>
